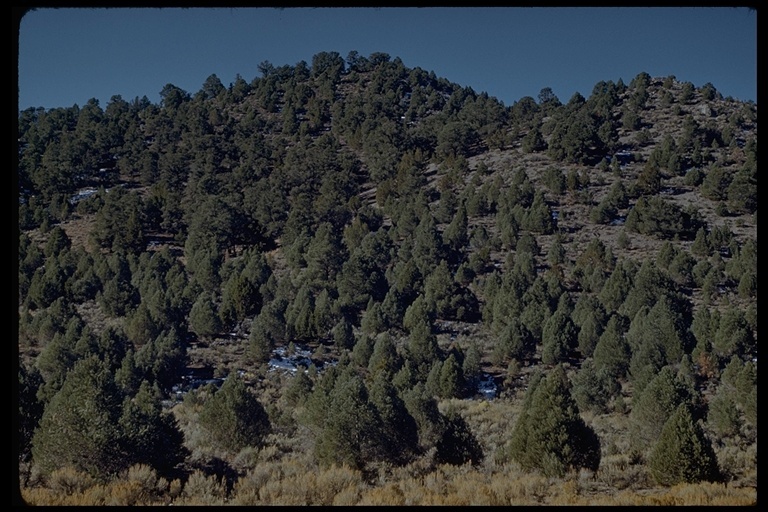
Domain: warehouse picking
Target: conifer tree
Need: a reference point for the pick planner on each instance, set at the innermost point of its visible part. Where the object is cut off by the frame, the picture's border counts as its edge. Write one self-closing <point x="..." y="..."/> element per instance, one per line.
<point x="683" y="454"/>
<point x="559" y="337"/>
<point x="261" y="341"/>
<point x="451" y="379"/>
<point x="233" y="416"/>
<point x="203" y="318"/>
<point x="299" y="389"/>
<point x="79" y="427"/>
<point x="458" y="444"/>
<point x="30" y="408"/>
<point x="384" y="357"/>
<point x="550" y="435"/>
<point x="655" y="404"/>
<point x="513" y="342"/>
<point x="593" y="388"/>
<point x="151" y="435"/>
<point x="399" y="428"/>
<point x="351" y="426"/>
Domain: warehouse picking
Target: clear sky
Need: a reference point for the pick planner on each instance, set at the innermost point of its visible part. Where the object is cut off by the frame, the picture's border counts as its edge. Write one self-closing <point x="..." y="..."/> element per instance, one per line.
<point x="67" y="56"/>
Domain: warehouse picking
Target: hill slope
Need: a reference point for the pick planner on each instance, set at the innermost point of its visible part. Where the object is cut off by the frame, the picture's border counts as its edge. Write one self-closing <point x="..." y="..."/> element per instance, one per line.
<point x="347" y="210"/>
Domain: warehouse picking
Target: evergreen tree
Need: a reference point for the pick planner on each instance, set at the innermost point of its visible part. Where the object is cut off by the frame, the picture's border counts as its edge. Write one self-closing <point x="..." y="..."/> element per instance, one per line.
<point x="30" y="408"/>
<point x="733" y="335"/>
<point x="655" y="404"/>
<point x="612" y="351"/>
<point x="683" y="454"/>
<point x="299" y="315"/>
<point x="723" y="415"/>
<point x="458" y="444"/>
<point x="422" y="350"/>
<point x="260" y="342"/>
<point x="299" y="389"/>
<point x="233" y="416"/>
<point x="351" y="426"/>
<point x="451" y="382"/>
<point x="384" y="357"/>
<point x="80" y="426"/>
<point x="399" y="429"/>
<point x="455" y="236"/>
<point x="594" y="388"/>
<point x="203" y="317"/>
<point x="514" y="342"/>
<point x="559" y="337"/>
<point x="618" y="285"/>
<point x="658" y="336"/>
<point x="151" y="436"/>
<point x="550" y="435"/>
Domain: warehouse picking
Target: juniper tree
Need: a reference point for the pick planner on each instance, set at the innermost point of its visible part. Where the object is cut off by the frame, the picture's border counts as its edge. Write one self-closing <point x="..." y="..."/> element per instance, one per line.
<point x="594" y="388"/>
<point x="150" y="435"/>
<point x="550" y="435"/>
<point x="398" y="428"/>
<point x="30" y="408"/>
<point x="299" y="389"/>
<point x="655" y="404"/>
<point x="79" y="427"/>
<point x="233" y="416"/>
<point x="384" y="357"/>
<point x="658" y="336"/>
<point x="513" y="342"/>
<point x="559" y="337"/>
<point x="458" y="444"/>
<point x="203" y="317"/>
<point x="733" y="334"/>
<point x="618" y="285"/>
<point x="350" y="429"/>
<point x="683" y="454"/>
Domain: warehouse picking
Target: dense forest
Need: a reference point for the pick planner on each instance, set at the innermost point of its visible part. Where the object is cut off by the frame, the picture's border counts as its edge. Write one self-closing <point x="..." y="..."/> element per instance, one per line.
<point x="351" y="282"/>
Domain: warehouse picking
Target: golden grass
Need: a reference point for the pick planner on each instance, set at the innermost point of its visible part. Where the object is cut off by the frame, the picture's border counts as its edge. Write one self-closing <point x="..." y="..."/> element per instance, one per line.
<point x="289" y="482"/>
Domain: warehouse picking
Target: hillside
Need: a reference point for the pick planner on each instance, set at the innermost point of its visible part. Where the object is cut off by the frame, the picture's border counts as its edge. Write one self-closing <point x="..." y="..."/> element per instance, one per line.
<point x="356" y="235"/>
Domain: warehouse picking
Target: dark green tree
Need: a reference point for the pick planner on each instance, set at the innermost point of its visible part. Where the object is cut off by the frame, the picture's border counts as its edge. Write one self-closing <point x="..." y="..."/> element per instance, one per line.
<point x="203" y="317"/>
<point x="550" y="435"/>
<point x="80" y="426"/>
<point x="363" y="274"/>
<point x="30" y="408"/>
<point x="458" y="444"/>
<point x="612" y="352"/>
<point x="451" y="383"/>
<point x="261" y="343"/>
<point x="618" y="285"/>
<point x="151" y="435"/>
<point x="733" y="334"/>
<point x="513" y="342"/>
<point x="683" y="454"/>
<point x="594" y="388"/>
<point x="299" y="389"/>
<point x="233" y="417"/>
<point x="384" y="357"/>
<point x="559" y="337"/>
<point x="657" y="338"/>
<point x="351" y="426"/>
<point x="654" y="405"/>
<point x="399" y="429"/>
<point x="723" y="415"/>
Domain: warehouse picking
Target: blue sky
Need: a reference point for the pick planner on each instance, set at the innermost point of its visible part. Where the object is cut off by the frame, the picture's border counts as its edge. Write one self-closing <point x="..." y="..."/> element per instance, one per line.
<point x="70" y="55"/>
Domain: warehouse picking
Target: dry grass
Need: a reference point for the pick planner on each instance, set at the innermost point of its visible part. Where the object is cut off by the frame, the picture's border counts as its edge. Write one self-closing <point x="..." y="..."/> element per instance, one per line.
<point x="292" y="482"/>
